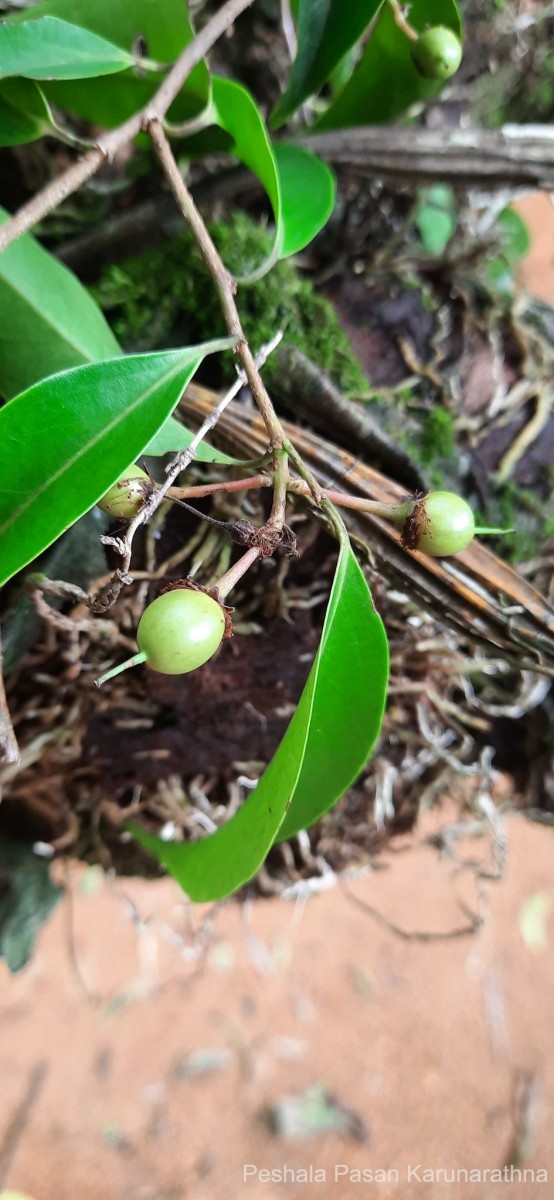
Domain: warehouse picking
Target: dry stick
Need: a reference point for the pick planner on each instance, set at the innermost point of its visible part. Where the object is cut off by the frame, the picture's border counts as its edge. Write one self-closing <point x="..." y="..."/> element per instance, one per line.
<point x="51" y="196"/>
<point x="9" y="749"/>
<point x="401" y="22"/>
<point x="226" y="288"/>
<point x="124" y="546"/>
<point x="222" y="278"/>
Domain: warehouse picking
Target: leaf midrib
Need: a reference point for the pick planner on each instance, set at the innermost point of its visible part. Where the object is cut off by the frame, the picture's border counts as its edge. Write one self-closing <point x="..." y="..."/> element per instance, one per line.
<point x="48" y="323"/>
<point x="69" y="463"/>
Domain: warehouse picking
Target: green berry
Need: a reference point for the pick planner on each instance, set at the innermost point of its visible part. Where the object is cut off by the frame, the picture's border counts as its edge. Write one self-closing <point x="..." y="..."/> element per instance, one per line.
<point x="437" y="53"/>
<point x="440" y="524"/>
<point x="127" y="496"/>
<point x="180" y="631"/>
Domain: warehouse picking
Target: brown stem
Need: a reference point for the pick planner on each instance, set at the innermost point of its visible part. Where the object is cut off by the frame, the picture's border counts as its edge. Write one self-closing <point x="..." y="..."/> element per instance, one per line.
<point x="222" y="278"/>
<point x="396" y="513"/>
<point x="231" y="577"/>
<point x="54" y="193"/>
<point x="400" y="20"/>
<point x="9" y="749"/>
<point x="276" y="518"/>
<point x="225" y="485"/>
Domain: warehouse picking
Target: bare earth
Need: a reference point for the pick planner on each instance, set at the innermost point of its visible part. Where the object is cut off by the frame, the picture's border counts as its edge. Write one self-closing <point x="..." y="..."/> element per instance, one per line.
<point x="142" y="1045"/>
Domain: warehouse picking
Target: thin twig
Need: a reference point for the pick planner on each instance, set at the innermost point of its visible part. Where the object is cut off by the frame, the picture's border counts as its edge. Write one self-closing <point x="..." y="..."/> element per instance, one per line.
<point x="226" y="287"/>
<point x="401" y="21"/>
<point x="9" y="749"/>
<point x="475" y="922"/>
<point x="108" y="594"/>
<point x="20" y="1119"/>
<point x="223" y="280"/>
<point x="54" y="193"/>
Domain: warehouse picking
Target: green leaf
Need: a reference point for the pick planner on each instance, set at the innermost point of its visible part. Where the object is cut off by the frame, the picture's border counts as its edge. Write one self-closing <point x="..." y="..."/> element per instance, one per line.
<point x="165" y="28"/>
<point x="24" y="113"/>
<point x="385" y="83"/>
<point x="326" y="744"/>
<point x="300" y="188"/>
<point x="435" y="218"/>
<point x="327" y="30"/>
<point x="174" y="436"/>
<point x="66" y="440"/>
<point x="27" y="897"/>
<point x="515" y="243"/>
<point x="307" y="196"/>
<point x="349" y="700"/>
<point x="52" y="49"/>
<point x="48" y="321"/>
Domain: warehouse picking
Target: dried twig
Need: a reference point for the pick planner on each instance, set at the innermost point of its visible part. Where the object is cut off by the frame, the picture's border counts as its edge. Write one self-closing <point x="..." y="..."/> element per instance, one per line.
<point x="517" y="156"/>
<point x="108" y="594"/>
<point x="9" y="749"/>
<point x="226" y="287"/>
<point x="51" y="196"/>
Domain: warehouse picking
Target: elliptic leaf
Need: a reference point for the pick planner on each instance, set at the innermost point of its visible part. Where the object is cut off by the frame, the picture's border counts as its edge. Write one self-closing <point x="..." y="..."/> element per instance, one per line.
<point x="327" y="30"/>
<point x="163" y="27"/>
<point x="174" y="436"/>
<point x="66" y="440"/>
<point x="52" y="49"/>
<point x="300" y="188"/>
<point x="307" y="196"/>
<point x="24" y="113"/>
<point x="326" y="744"/>
<point x="385" y="83"/>
<point x="48" y="320"/>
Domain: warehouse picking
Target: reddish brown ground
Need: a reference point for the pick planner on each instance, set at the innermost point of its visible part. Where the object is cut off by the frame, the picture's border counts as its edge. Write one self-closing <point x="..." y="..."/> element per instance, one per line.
<point x="444" y="1050"/>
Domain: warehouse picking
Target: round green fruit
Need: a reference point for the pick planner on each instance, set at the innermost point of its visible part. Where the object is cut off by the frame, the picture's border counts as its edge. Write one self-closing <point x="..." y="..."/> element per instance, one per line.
<point x="445" y="524"/>
<point x="180" y="631"/>
<point x="437" y="53"/>
<point x="127" y="496"/>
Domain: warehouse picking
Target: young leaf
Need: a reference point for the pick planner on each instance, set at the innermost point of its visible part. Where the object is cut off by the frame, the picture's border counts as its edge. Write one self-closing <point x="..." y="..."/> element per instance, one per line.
<point x="174" y="436"/>
<point x="24" y="113"/>
<point x="300" y="188"/>
<point x="66" y="440"/>
<point x="48" y="321"/>
<point x="48" y="48"/>
<point x="307" y="196"/>
<point x="386" y="83"/>
<point x="435" y="218"/>
<point x="326" y="744"/>
<point x="327" y="30"/>
<point x="164" y="28"/>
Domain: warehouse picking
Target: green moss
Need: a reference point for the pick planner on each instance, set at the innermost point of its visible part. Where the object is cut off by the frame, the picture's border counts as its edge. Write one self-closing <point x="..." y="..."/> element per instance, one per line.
<point x="166" y="297"/>
<point x="514" y="507"/>
<point x="437" y="436"/>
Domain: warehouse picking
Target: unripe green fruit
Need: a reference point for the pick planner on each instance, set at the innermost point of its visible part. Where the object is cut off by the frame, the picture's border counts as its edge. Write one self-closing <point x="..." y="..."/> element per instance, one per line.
<point x="437" y="53"/>
<point x="180" y="631"/>
<point x="445" y="524"/>
<point x="127" y="496"/>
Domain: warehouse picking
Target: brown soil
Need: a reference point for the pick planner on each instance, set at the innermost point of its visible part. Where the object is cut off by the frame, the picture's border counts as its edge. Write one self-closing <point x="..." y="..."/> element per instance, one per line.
<point x="442" y="1050"/>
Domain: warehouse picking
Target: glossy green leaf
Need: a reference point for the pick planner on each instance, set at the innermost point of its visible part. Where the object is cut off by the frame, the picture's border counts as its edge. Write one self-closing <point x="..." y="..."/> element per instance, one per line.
<point x="307" y="196"/>
<point x="24" y="113"/>
<point x="174" y="436"/>
<point x="326" y="744"/>
<point x="385" y="83"/>
<point x="300" y="188"/>
<point x="66" y="440"/>
<point x="327" y="30"/>
<point x="435" y="218"/>
<point x="48" y="321"/>
<point x="514" y="243"/>
<point x="163" y="26"/>
<point x="27" y="897"/>
<point x="48" y="48"/>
